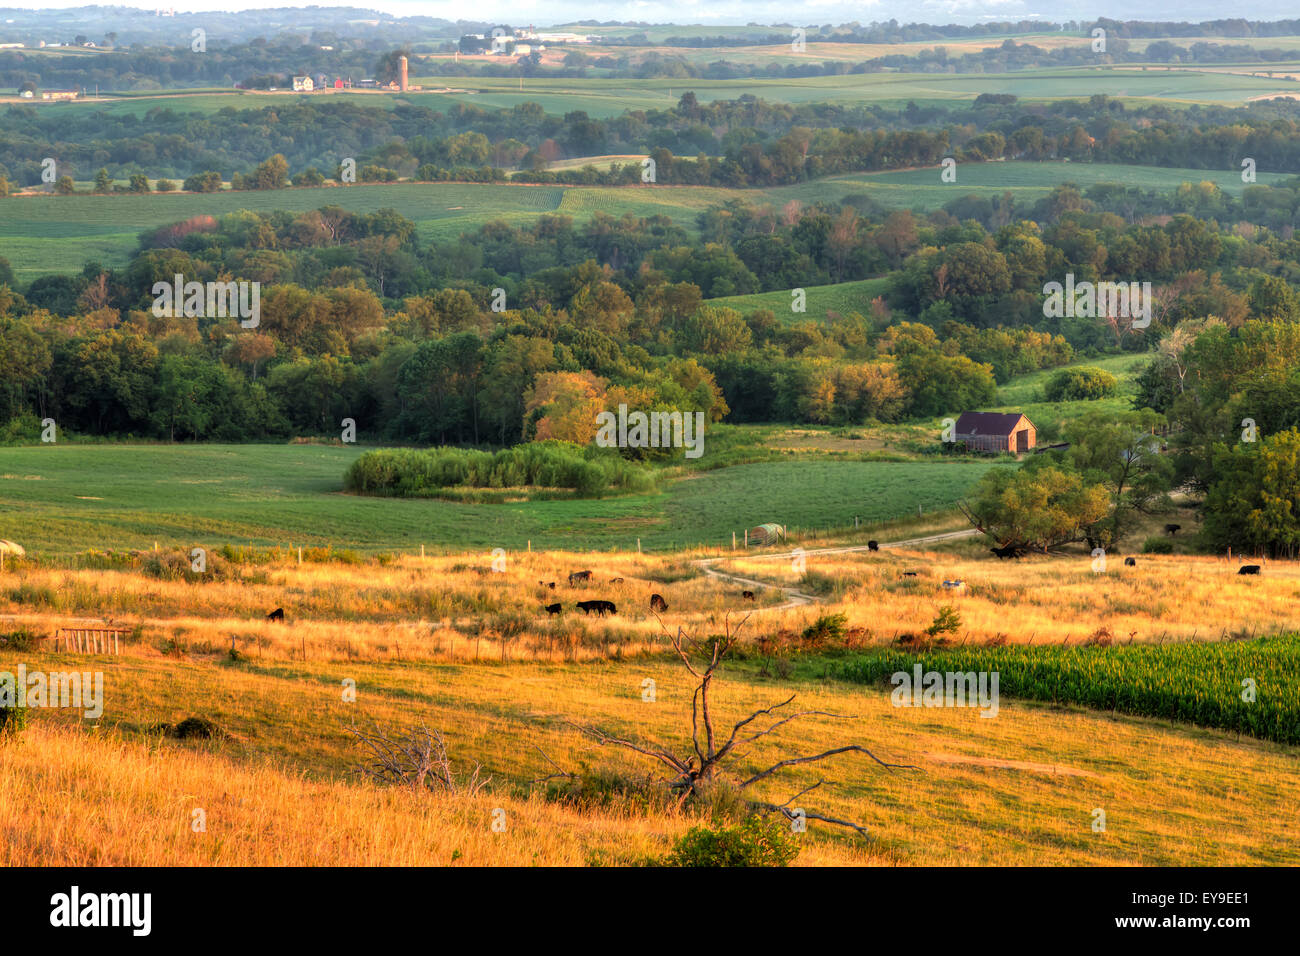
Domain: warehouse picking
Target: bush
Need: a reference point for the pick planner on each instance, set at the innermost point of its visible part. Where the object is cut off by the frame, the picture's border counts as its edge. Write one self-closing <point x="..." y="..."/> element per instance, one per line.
<point x="827" y="629"/>
<point x="178" y="566"/>
<point x="1082" y="383"/>
<point x="1158" y="546"/>
<point x="754" y="841"/>
<point x="605" y="790"/>
<point x="23" y="639"/>
<point x="13" y="720"/>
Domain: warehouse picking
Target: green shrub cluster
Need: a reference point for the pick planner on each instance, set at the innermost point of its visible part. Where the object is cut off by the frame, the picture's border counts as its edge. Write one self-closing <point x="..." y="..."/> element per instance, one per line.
<point x="754" y="841"/>
<point x="1080" y="383"/>
<point x="411" y="473"/>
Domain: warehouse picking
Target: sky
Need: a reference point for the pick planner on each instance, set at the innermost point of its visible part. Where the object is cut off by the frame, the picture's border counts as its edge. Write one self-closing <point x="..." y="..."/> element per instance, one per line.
<point x="802" y="12"/>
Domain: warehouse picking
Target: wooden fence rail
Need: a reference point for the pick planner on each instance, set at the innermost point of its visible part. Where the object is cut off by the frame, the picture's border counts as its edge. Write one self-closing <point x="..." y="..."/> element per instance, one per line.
<point x="90" y="640"/>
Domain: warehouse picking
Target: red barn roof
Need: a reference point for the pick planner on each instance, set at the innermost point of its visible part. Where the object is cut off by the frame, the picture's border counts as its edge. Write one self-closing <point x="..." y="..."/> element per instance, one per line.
<point x="989" y="423"/>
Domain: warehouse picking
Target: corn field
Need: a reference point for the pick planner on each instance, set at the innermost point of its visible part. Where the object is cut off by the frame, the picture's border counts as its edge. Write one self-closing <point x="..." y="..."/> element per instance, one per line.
<point x="1250" y="687"/>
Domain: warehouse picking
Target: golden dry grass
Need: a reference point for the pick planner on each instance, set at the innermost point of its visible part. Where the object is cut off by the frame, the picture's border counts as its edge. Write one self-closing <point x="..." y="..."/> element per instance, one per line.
<point x="457" y="608"/>
<point x="280" y="789"/>
<point x="1020" y="788"/>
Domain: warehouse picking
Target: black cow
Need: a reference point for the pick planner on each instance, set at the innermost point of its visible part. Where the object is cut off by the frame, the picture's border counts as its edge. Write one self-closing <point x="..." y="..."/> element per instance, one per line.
<point x="600" y="607"/>
<point x="553" y="609"/>
<point x="909" y="574"/>
<point x="657" y="603"/>
<point x="873" y="545"/>
<point x="575" y="576"/>
<point x="1173" y="528"/>
<point x="1249" y="569"/>
<point x="1009" y="551"/>
<point x="276" y="615"/>
<point x="1130" y="562"/>
<point x="747" y="595"/>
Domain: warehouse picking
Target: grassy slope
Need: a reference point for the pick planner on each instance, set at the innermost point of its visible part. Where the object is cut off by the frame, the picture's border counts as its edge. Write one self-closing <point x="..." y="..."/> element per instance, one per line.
<point x="275" y="792"/>
<point x="841" y="297"/>
<point x="39" y="234"/>
<point x="72" y="498"/>
<point x="1025" y="392"/>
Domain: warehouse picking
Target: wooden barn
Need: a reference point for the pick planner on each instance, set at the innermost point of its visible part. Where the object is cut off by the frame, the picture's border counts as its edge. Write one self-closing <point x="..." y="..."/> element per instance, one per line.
<point x="996" y="432"/>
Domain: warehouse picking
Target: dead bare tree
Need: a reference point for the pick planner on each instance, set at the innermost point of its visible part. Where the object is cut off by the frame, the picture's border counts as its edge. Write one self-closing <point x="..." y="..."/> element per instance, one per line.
<point x="691" y="775"/>
<point x="417" y="760"/>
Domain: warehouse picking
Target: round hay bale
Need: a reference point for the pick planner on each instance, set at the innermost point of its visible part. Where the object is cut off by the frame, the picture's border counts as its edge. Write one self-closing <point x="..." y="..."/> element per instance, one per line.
<point x="766" y="534"/>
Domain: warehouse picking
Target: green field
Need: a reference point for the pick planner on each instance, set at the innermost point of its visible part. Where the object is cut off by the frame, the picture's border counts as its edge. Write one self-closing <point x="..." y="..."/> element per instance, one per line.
<point x="1025" y="392"/>
<point x="71" y="498"/>
<point x="1027" y="182"/>
<point x="603" y="97"/>
<point x="842" y="297"/>
<point x="43" y="234"/>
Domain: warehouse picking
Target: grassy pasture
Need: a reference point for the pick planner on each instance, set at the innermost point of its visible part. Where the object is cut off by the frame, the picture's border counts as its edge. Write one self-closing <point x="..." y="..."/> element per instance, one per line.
<point x="1027" y="182"/>
<point x="41" y="234"/>
<point x="841" y="297"/>
<point x="1017" y="789"/>
<point x="603" y="97"/>
<point x="1024" y="393"/>
<point x="71" y="498"/>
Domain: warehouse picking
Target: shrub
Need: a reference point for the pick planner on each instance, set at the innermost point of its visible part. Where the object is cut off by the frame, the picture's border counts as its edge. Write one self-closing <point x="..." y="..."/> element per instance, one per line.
<point x="754" y="841"/>
<point x="1081" y="383"/>
<point x="827" y="629"/>
<point x="23" y="639"/>
<point x="178" y="566"/>
<point x="606" y="790"/>
<point x="947" y="621"/>
<point x="823" y="585"/>
<point x="12" y="720"/>
<point x="1157" y="546"/>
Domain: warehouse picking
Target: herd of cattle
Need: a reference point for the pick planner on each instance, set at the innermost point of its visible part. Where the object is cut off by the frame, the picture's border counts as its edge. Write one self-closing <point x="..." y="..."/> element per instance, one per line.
<point x="657" y="603"/>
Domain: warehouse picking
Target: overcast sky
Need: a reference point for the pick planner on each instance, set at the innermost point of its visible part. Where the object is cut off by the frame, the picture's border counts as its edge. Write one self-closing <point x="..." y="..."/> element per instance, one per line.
<point x="762" y="11"/>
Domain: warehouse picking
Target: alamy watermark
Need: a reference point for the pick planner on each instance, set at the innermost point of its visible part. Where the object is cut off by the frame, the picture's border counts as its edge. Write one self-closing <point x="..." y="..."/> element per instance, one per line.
<point x="924" y="688"/>
<point x="77" y="690"/>
<point x="209" y="299"/>
<point x="1098" y="300"/>
<point x="652" y="430"/>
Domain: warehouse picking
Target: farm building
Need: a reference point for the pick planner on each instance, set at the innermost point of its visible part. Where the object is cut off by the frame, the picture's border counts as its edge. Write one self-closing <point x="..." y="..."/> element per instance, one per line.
<point x="996" y="432"/>
<point x="303" y="84"/>
<point x="59" y="95"/>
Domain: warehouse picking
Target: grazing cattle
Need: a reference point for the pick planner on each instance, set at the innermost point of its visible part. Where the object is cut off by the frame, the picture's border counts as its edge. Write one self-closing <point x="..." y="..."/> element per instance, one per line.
<point x="575" y="576"/>
<point x="600" y="607"/>
<point x="873" y="545"/>
<point x="276" y="615"/>
<point x="1249" y="569"/>
<point x="1130" y="562"/>
<point x="615" y="580"/>
<point x="554" y="609"/>
<point x="551" y="585"/>
<point x="1010" y="551"/>
<point x="747" y="595"/>
<point x="657" y="603"/>
<point x="1173" y="528"/>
